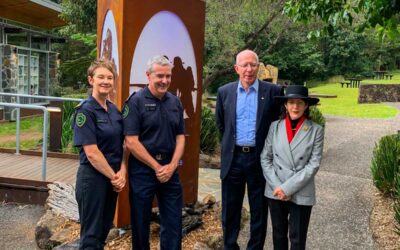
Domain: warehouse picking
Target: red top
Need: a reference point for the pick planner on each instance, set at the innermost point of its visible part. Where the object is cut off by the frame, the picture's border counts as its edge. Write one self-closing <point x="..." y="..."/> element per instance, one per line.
<point x="289" y="131"/>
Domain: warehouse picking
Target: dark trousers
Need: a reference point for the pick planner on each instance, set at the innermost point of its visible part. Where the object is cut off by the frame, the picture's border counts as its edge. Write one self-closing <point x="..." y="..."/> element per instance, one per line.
<point x="96" y="203"/>
<point x="144" y="185"/>
<point x="288" y="216"/>
<point x="245" y="170"/>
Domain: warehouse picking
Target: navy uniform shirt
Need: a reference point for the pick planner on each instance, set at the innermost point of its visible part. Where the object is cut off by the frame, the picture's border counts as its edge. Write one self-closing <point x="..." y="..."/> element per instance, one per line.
<point x="156" y="122"/>
<point x="94" y="125"/>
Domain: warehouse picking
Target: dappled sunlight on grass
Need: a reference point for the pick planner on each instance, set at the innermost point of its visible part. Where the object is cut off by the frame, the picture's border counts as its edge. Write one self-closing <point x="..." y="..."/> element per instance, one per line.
<point x="27" y="124"/>
<point x="346" y="103"/>
<point x="29" y="144"/>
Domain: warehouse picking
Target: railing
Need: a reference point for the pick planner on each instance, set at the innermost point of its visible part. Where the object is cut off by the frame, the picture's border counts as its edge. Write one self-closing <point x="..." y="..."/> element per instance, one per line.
<point x="45" y="120"/>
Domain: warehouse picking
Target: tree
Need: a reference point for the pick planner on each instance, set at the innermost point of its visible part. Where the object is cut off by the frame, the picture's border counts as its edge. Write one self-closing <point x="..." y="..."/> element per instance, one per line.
<point x="80" y="48"/>
<point x="380" y="14"/>
<point x="81" y="15"/>
<point x="235" y="25"/>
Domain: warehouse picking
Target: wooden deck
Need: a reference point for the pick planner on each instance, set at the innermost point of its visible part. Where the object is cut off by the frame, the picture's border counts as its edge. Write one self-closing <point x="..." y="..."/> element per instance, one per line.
<point x="30" y="167"/>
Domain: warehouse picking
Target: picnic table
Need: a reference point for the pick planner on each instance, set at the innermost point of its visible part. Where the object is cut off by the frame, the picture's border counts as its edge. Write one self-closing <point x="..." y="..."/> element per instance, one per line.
<point x="380" y="74"/>
<point x="353" y="82"/>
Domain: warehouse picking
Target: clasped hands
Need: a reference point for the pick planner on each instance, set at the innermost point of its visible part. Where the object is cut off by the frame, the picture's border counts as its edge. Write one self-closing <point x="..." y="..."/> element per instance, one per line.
<point x="278" y="192"/>
<point x="165" y="172"/>
<point x="118" y="181"/>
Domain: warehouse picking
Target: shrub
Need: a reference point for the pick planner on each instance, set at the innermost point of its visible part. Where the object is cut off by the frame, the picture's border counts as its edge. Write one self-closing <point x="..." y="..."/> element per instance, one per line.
<point x="67" y="133"/>
<point x="209" y="131"/>
<point x="397" y="203"/>
<point x="385" y="165"/>
<point x="316" y="116"/>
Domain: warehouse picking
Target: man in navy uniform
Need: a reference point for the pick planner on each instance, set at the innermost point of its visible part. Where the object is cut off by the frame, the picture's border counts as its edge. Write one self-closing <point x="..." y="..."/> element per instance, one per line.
<point x="244" y="112"/>
<point x="154" y="134"/>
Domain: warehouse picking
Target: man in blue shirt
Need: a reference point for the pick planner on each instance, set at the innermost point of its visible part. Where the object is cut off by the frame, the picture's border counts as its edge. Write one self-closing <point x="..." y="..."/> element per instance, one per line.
<point x="244" y="112"/>
<point x="154" y="134"/>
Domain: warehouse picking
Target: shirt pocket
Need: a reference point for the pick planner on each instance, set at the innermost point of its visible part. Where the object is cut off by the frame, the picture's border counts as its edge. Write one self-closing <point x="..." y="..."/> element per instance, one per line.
<point x="173" y="117"/>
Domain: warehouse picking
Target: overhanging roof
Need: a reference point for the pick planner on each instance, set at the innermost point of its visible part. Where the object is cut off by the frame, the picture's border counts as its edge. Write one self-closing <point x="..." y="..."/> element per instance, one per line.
<point x="39" y="13"/>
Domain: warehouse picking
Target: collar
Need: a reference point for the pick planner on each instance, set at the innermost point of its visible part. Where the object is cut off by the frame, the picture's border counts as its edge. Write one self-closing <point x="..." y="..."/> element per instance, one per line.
<point x="254" y="86"/>
<point x="148" y="94"/>
<point x="96" y="105"/>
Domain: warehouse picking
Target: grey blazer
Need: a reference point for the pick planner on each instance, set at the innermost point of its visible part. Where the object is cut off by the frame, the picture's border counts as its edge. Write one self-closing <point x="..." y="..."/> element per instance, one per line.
<point x="293" y="166"/>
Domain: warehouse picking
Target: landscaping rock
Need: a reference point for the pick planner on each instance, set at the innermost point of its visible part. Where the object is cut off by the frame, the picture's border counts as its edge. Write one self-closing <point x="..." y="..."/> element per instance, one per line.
<point x="190" y="223"/>
<point x="74" y="245"/>
<point x="62" y="200"/>
<point x="201" y="246"/>
<point x="209" y="161"/>
<point x="46" y="227"/>
<point x="61" y="236"/>
<point x="113" y="234"/>
<point x="209" y="200"/>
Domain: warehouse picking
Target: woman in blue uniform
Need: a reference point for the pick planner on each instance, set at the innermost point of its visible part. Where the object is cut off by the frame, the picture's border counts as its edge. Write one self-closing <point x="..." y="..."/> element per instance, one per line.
<point x="101" y="175"/>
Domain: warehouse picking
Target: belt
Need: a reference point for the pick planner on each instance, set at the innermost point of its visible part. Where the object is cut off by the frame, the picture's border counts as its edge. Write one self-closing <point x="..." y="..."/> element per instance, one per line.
<point x="245" y="149"/>
<point x="161" y="156"/>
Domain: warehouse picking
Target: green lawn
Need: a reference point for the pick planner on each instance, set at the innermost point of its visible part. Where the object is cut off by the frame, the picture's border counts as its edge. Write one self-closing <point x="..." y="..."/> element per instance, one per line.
<point x="346" y="102"/>
<point x="395" y="79"/>
<point x="29" y="144"/>
<point x="27" y="125"/>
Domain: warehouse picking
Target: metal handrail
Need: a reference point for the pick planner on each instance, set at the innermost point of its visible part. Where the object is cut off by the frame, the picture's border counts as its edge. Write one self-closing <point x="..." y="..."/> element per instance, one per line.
<point x="45" y="120"/>
<point x="52" y="98"/>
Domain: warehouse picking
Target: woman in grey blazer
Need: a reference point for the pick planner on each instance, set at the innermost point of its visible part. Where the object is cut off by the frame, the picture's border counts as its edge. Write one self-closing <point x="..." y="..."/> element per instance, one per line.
<point x="290" y="159"/>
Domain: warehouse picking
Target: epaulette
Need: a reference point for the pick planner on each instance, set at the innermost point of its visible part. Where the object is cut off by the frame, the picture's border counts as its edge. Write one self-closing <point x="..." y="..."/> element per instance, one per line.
<point x="80" y="104"/>
<point x="129" y="97"/>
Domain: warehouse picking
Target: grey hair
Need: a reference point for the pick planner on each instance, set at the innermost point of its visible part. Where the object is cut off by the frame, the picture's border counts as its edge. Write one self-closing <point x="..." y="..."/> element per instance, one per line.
<point x="246" y="50"/>
<point x="159" y="60"/>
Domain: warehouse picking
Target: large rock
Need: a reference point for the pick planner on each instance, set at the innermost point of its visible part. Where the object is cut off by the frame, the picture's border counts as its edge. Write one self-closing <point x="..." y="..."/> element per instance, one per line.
<point x="209" y="161"/>
<point x="61" y="236"/>
<point x="74" y="245"/>
<point x="62" y="200"/>
<point x="45" y="228"/>
<point x="209" y="200"/>
<point x="211" y="242"/>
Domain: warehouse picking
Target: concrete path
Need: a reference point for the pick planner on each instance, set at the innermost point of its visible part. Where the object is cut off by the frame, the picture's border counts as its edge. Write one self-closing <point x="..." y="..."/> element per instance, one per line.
<point x="340" y="220"/>
<point x="17" y="223"/>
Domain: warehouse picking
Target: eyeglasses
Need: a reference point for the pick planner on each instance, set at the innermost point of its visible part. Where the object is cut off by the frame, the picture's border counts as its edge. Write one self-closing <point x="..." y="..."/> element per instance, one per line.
<point x="252" y="65"/>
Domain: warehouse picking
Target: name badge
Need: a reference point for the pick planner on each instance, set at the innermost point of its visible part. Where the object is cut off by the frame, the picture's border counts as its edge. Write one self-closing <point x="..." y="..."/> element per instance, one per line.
<point x="102" y="121"/>
<point x="150" y="106"/>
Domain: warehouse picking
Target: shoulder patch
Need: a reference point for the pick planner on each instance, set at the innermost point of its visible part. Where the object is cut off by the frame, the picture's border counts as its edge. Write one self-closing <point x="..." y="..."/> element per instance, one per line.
<point x="125" y="111"/>
<point x="80" y="119"/>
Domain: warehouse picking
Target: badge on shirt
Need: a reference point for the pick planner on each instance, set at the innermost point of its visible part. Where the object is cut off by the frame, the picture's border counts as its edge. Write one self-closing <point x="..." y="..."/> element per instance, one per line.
<point x="80" y="119"/>
<point x="150" y="106"/>
<point x="125" y="112"/>
<point x="305" y="128"/>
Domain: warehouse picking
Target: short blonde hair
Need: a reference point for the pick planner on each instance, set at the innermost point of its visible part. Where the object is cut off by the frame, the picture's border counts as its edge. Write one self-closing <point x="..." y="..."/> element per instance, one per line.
<point x="101" y="63"/>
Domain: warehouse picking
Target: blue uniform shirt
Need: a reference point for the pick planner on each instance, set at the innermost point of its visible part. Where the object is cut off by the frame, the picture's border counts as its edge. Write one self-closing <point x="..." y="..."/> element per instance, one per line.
<point x="94" y="125"/>
<point x="156" y="122"/>
<point x="246" y="115"/>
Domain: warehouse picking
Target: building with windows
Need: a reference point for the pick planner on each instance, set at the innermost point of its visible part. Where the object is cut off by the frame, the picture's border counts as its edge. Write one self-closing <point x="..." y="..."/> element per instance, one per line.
<point x="27" y="62"/>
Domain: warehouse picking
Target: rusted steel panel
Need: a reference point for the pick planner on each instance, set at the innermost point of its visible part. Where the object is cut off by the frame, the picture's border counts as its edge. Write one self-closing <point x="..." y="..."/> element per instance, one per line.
<point x="23" y="191"/>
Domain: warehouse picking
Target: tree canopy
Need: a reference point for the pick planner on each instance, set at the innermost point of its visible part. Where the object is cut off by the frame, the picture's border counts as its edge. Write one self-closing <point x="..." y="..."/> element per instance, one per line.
<point x="275" y="30"/>
<point x="380" y="14"/>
